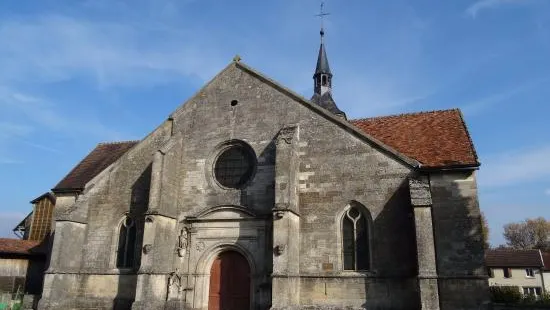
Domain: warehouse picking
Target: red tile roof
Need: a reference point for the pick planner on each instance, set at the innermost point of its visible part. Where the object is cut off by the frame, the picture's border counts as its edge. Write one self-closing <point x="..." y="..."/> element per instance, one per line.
<point x="20" y="247"/>
<point x="513" y="258"/>
<point x="436" y="139"/>
<point x="546" y="261"/>
<point x="99" y="158"/>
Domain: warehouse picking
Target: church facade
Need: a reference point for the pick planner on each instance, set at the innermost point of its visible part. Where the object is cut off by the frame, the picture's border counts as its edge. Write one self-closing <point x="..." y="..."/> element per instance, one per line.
<point x="251" y="197"/>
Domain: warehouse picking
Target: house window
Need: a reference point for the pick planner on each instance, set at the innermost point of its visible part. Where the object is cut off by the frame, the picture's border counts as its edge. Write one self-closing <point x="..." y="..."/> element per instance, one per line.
<point x="355" y="240"/>
<point x="490" y="273"/>
<point x="535" y="291"/>
<point x="507" y="272"/>
<point x="530" y="273"/>
<point x="126" y="244"/>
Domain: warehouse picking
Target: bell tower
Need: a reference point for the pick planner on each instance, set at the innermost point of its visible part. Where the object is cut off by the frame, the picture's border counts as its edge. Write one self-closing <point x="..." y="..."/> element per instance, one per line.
<point x="322" y="78"/>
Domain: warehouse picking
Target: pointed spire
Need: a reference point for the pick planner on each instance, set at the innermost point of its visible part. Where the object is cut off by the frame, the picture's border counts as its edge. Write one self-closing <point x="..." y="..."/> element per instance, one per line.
<point x="322" y="75"/>
<point x="322" y="60"/>
<point x="322" y="95"/>
<point x="323" y="81"/>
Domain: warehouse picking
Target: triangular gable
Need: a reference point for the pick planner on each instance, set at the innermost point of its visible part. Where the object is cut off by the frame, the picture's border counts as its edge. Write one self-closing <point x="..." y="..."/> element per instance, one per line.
<point x="322" y="112"/>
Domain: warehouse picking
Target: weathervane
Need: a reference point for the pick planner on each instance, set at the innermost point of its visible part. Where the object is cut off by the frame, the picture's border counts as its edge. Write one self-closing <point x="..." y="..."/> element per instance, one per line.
<point x="322" y="15"/>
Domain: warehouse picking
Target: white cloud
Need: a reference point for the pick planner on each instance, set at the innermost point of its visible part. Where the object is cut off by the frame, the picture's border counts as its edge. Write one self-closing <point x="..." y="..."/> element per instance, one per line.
<point x="6" y="160"/>
<point x="38" y="115"/>
<point x="41" y="113"/>
<point x="8" y="220"/>
<point x="42" y="147"/>
<point x="55" y="48"/>
<point x="478" y="106"/>
<point x="153" y="46"/>
<point x="378" y="96"/>
<point x="480" y="5"/>
<point x="9" y="130"/>
<point x="515" y="167"/>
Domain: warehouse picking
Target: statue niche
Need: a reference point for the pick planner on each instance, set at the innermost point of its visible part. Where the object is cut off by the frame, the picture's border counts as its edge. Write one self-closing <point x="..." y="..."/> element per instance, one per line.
<point x="181" y="246"/>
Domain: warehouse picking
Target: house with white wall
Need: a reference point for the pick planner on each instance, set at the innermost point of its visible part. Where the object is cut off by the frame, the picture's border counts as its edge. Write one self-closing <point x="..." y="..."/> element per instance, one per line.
<point x="546" y="271"/>
<point x="520" y="268"/>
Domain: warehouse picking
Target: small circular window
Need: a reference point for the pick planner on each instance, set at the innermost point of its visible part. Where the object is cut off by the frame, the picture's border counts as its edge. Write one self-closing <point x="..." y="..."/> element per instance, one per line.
<point x="234" y="167"/>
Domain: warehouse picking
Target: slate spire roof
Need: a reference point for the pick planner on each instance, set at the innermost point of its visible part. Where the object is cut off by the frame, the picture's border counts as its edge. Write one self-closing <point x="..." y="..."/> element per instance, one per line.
<point x="322" y="77"/>
<point x="322" y="60"/>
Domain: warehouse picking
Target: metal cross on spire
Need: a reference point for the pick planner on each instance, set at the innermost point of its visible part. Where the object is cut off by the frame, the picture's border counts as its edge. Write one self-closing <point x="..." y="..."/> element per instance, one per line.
<point x="322" y="15"/>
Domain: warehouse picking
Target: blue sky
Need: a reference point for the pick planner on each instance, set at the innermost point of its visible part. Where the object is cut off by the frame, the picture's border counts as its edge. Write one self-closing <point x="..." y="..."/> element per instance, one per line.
<point x="76" y="73"/>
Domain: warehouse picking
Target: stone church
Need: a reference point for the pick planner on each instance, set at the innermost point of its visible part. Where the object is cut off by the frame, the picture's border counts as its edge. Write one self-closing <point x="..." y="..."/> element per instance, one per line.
<point x="250" y="196"/>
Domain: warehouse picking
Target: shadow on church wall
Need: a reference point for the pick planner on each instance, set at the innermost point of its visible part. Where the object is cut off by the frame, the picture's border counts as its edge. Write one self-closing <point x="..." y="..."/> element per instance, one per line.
<point x="260" y="193"/>
<point x="458" y="245"/>
<point x="139" y="201"/>
<point x="392" y="285"/>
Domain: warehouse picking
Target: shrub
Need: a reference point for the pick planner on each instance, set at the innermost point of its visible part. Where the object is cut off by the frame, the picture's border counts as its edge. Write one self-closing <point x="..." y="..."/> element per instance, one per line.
<point x="505" y="294"/>
<point x="544" y="299"/>
<point x="529" y="299"/>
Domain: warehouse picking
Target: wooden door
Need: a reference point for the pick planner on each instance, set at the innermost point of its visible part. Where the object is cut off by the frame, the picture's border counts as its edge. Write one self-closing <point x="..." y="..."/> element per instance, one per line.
<point x="229" y="282"/>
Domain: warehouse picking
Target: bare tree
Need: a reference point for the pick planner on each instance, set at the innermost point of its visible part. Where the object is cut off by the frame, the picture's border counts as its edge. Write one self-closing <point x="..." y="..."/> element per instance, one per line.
<point x="529" y="234"/>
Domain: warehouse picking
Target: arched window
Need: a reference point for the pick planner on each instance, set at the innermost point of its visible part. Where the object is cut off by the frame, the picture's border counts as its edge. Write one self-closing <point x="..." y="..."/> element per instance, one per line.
<point x="355" y="243"/>
<point x="323" y="80"/>
<point x="126" y="244"/>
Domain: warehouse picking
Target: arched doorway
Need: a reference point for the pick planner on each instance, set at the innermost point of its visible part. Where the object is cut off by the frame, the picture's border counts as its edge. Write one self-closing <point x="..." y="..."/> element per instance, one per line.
<point x="229" y="282"/>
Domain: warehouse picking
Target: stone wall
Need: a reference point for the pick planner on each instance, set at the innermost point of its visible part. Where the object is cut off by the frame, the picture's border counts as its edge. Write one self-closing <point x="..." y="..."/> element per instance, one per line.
<point x="311" y="168"/>
<point x="12" y="274"/>
<point x="82" y="271"/>
<point x="21" y="274"/>
<point x="458" y="240"/>
<point x="518" y="307"/>
<point x="333" y="169"/>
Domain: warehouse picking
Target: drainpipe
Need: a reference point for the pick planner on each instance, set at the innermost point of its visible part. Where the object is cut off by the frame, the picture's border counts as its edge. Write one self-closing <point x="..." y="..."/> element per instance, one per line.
<point x="541" y="270"/>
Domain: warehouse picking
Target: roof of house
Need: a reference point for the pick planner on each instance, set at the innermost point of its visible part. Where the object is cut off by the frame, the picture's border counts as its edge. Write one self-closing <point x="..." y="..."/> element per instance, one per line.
<point x="23" y="224"/>
<point x="436" y="139"/>
<point x="513" y="258"/>
<point x="20" y="247"/>
<point x="48" y="195"/>
<point x="96" y="161"/>
<point x="546" y="260"/>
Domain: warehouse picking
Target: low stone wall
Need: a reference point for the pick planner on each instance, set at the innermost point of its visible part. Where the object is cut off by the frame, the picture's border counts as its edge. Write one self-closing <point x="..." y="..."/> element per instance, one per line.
<point x="313" y="307"/>
<point x="520" y="307"/>
<point x="12" y="275"/>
